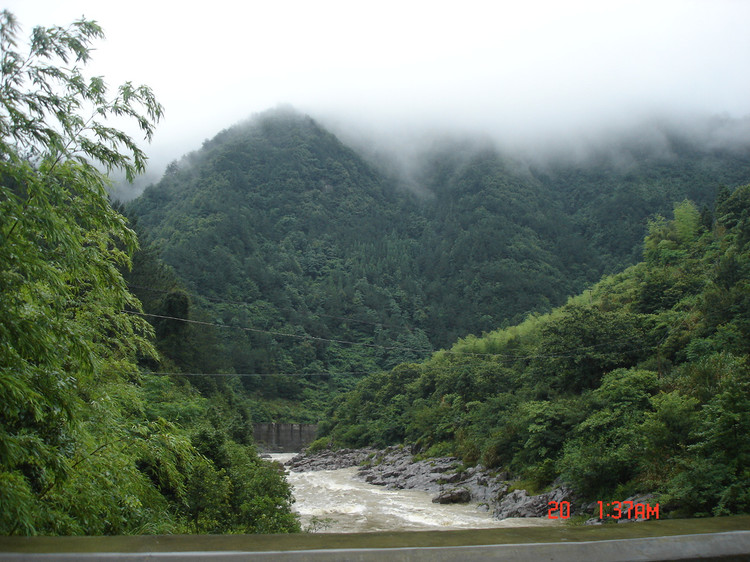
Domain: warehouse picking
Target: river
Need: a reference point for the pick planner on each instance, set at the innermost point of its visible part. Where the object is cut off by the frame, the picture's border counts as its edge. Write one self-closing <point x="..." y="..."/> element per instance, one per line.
<point x="335" y="501"/>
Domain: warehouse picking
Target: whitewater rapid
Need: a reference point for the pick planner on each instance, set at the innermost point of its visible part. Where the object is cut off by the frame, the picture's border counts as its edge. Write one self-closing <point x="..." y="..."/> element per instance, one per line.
<point x="335" y="501"/>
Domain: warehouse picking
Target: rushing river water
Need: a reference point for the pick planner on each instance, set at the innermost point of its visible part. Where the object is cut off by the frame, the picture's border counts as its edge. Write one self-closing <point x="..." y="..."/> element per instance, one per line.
<point x="334" y="501"/>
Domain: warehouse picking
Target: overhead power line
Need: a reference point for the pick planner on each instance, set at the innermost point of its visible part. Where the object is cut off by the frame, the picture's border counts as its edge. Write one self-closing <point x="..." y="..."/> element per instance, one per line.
<point x="319" y="374"/>
<point x="573" y="352"/>
<point x="280" y="334"/>
<point x="245" y="303"/>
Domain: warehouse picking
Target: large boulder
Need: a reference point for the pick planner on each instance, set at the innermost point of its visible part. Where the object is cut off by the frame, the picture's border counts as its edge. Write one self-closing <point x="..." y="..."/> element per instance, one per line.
<point x="396" y="468"/>
<point x="519" y="504"/>
<point x="454" y="495"/>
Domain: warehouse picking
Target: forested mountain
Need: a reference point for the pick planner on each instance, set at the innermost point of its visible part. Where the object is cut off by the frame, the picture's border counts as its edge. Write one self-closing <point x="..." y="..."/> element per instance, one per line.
<point x="314" y="262"/>
<point x="639" y="385"/>
<point x="277" y="274"/>
<point x="612" y="187"/>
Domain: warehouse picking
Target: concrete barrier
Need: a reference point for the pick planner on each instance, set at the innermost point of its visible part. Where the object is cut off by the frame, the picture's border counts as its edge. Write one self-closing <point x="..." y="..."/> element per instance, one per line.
<point x="733" y="545"/>
<point x="283" y="437"/>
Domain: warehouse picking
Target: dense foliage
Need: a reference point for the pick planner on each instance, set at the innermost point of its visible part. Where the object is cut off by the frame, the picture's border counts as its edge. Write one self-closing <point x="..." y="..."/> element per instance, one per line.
<point x="274" y="229"/>
<point x="292" y="269"/>
<point x="638" y="385"/>
<point x="90" y="443"/>
<point x="318" y="267"/>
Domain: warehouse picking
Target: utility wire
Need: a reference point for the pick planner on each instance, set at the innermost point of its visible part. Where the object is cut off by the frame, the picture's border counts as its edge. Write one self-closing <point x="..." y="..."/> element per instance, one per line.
<point x="575" y="352"/>
<point x="245" y="303"/>
<point x="503" y="357"/>
<point x="280" y="334"/>
<point x="259" y="374"/>
<point x="388" y="348"/>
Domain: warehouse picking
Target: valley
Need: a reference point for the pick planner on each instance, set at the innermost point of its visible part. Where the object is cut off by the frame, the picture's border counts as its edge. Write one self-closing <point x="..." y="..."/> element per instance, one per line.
<point x="446" y="317"/>
<point x="480" y="312"/>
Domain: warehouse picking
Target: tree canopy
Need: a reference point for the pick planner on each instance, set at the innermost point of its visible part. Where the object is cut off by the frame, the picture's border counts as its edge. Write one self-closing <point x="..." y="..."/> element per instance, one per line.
<point x="82" y="450"/>
<point x="289" y="242"/>
<point x="639" y="385"/>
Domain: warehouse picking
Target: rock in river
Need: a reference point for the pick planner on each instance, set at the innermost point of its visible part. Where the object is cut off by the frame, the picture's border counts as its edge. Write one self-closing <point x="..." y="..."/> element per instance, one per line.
<point x="454" y="495"/>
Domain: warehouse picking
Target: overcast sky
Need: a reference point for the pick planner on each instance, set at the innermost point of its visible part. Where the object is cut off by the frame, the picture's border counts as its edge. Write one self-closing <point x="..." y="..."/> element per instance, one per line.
<point x="515" y="69"/>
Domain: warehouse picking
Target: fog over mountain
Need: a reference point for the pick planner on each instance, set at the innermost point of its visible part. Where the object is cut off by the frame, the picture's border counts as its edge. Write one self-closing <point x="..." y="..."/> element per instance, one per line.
<point x="535" y="75"/>
<point x="654" y="138"/>
<point x="401" y="152"/>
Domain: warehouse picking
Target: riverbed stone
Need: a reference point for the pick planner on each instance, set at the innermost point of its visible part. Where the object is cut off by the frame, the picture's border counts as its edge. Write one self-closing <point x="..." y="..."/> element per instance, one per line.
<point x="454" y="495"/>
<point x="396" y="468"/>
<point x="445" y="477"/>
<point x="329" y="460"/>
<point x="519" y="503"/>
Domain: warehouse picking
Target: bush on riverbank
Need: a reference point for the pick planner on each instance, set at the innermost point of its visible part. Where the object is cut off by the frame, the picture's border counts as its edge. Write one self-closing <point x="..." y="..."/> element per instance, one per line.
<point x="640" y="384"/>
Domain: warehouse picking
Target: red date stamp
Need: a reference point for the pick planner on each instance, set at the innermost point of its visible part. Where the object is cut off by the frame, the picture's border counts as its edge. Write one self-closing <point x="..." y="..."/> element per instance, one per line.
<point x="613" y="510"/>
<point x="558" y="510"/>
<point x="627" y="510"/>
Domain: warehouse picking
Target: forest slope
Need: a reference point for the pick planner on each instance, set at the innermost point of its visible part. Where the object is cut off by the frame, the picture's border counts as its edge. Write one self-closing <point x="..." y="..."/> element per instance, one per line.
<point x="638" y="385"/>
<point x="319" y="267"/>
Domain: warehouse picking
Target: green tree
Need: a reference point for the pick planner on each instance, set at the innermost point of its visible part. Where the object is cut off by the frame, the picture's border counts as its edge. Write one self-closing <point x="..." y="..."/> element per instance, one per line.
<point x="64" y="328"/>
<point x="63" y="324"/>
<point x="84" y="448"/>
<point x="715" y="478"/>
<point x="600" y="454"/>
<point x="585" y="343"/>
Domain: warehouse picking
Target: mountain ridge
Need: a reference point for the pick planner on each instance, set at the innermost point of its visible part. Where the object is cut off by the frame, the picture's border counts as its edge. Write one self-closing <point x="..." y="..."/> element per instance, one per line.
<point x="279" y="214"/>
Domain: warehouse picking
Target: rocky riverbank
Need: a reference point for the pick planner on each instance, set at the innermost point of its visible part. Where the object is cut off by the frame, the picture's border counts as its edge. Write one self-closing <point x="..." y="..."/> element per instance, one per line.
<point x="446" y="478"/>
<point x="329" y="459"/>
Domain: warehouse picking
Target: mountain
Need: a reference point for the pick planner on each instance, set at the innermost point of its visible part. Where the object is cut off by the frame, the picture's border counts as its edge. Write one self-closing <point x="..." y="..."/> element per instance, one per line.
<point x="275" y="225"/>
<point x="313" y="261"/>
<point x="640" y="385"/>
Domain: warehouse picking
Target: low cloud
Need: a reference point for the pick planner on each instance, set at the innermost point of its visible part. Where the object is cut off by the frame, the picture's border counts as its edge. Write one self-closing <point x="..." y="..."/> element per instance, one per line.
<point x="527" y="74"/>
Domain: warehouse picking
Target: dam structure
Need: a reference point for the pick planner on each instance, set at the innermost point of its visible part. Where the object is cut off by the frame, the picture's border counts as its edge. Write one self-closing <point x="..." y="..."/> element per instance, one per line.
<point x="284" y="437"/>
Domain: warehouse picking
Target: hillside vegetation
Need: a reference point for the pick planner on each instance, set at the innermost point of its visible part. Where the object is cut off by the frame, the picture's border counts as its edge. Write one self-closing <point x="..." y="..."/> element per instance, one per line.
<point x="314" y="266"/>
<point x="639" y="384"/>
<point x="90" y="441"/>
<point x="277" y="275"/>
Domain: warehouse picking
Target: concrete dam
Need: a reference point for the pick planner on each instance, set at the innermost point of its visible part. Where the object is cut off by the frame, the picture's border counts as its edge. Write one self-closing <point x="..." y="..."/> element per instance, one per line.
<point x="283" y="437"/>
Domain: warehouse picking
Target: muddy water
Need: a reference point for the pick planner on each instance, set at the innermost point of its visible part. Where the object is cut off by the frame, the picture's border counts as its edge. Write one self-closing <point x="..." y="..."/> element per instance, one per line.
<point x="334" y="501"/>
